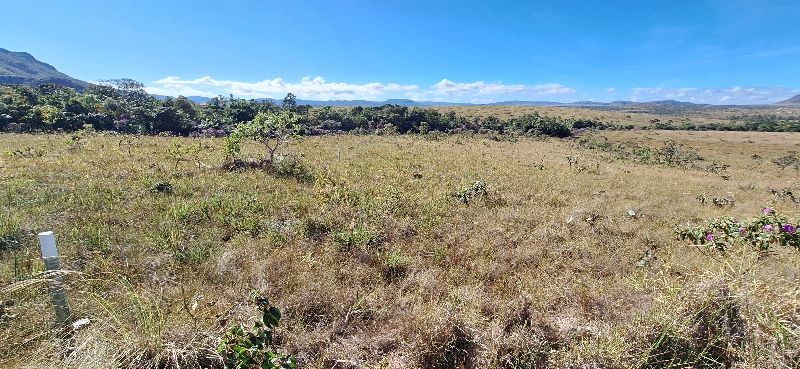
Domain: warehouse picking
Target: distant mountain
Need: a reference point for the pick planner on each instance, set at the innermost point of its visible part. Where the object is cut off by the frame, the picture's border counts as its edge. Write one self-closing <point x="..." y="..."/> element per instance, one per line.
<point x="525" y="103"/>
<point x="793" y="101"/>
<point x="20" y="68"/>
<point x="412" y="103"/>
<point x="663" y="104"/>
<point x="367" y="103"/>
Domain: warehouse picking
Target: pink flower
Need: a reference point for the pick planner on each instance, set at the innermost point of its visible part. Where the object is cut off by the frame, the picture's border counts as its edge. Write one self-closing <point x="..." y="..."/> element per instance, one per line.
<point x="768" y="227"/>
<point x="710" y="237"/>
<point x="768" y="211"/>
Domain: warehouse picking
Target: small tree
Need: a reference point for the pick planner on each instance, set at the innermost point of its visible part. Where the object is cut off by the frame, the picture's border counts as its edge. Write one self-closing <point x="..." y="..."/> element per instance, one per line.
<point x="273" y="130"/>
<point x="290" y="101"/>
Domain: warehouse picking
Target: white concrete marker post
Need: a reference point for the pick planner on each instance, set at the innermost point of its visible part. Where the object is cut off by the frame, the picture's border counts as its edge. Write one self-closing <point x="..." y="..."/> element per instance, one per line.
<point x="47" y="240"/>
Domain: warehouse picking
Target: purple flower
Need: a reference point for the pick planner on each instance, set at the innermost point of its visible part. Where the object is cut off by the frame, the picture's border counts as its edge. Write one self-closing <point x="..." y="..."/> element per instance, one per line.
<point x="768" y="228"/>
<point x="768" y="211"/>
<point x="742" y="230"/>
<point x="788" y="228"/>
<point x="709" y="237"/>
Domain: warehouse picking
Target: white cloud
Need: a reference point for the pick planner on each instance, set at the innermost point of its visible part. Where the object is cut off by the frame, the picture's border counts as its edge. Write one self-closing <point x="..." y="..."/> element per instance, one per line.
<point x="308" y="88"/>
<point x="611" y="89"/>
<point x="448" y="88"/>
<point x="318" y="88"/>
<point x="732" y="95"/>
<point x="178" y="89"/>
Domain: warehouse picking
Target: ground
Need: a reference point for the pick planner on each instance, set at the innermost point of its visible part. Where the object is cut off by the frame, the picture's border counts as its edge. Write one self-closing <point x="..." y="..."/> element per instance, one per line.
<point x="401" y="251"/>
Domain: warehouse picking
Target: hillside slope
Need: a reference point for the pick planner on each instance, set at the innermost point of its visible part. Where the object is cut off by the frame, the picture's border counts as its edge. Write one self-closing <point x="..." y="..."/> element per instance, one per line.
<point x="794" y="100"/>
<point x="21" y="68"/>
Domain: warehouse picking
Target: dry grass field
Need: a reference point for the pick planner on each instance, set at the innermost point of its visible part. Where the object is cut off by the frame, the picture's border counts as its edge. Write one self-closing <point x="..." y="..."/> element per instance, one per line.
<point x="562" y="263"/>
<point x="637" y="115"/>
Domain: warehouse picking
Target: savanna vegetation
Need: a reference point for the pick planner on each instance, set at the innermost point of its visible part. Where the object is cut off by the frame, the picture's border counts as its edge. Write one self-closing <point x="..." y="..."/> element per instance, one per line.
<point x="263" y="248"/>
<point x="124" y="106"/>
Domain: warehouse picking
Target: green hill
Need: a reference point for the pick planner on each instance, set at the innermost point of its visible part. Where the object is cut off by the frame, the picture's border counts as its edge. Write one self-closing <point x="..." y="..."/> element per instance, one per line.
<point x="21" y="68"/>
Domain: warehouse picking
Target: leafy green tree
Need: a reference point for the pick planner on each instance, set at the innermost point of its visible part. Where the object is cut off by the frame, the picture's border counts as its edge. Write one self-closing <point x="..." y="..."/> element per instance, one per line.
<point x="273" y="130"/>
<point x="290" y="101"/>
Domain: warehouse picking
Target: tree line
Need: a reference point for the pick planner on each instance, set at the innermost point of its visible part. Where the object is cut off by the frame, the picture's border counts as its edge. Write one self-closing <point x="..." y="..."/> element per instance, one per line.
<point x="123" y="105"/>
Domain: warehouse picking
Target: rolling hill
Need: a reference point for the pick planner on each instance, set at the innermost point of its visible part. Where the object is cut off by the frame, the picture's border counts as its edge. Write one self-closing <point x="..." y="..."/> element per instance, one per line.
<point x="21" y="68"/>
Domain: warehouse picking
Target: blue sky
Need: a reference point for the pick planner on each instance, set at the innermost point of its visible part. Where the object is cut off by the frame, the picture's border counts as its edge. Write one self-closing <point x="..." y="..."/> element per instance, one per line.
<point x="710" y="51"/>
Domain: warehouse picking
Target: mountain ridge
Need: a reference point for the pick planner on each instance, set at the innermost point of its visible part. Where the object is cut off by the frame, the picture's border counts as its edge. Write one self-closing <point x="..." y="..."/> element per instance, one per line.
<point x="791" y="101"/>
<point x="21" y="68"/>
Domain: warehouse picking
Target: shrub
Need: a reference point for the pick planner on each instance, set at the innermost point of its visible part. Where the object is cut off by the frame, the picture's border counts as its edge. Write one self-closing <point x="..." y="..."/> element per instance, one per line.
<point x="789" y="160"/>
<point x="761" y="232"/>
<point x="358" y="237"/>
<point x="291" y="166"/>
<point x="244" y="348"/>
<point x="273" y="130"/>
<point x="469" y="193"/>
<point x="161" y="187"/>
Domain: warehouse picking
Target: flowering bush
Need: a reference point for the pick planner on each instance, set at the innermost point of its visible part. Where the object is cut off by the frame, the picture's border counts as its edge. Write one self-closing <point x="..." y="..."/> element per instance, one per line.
<point x="766" y="229"/>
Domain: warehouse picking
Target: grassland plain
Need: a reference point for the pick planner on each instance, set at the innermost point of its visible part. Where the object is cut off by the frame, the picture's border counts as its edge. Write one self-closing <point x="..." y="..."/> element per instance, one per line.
<point x="637" y="115"/>
<point x="561" y="263"/>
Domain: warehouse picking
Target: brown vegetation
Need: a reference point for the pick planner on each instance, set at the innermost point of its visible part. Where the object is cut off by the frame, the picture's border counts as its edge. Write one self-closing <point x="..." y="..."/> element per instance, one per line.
<point x="375" y="262"/>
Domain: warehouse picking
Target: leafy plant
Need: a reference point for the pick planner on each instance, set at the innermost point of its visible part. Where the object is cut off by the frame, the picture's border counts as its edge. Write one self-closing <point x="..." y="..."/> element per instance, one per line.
<point x="358" y="236"/>
<point x="273" y="130"/>
<point x="179" y="152"/>
<point x="789" y="160"/>
<point x="233" y="146"/>
<point x="161" y="187"/>
<point x="245" y="348"/>
<point x="467" y="194"/>
<point x="761" y="232"/>
<point x="74" y="141"/>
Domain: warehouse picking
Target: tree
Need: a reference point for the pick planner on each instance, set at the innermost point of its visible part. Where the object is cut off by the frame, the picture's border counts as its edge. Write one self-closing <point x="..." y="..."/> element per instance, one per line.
<point x="273" y="130"/>
<point x="290" y="101"/>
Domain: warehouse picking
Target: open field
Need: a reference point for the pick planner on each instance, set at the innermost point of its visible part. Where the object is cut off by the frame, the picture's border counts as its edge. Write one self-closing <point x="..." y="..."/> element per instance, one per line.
<point x="637" y="115"/>
<point x="564" y="263"/>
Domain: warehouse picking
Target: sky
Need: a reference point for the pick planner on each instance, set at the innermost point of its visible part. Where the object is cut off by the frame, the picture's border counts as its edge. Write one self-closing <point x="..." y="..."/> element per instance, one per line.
<point x="702" y="51"/>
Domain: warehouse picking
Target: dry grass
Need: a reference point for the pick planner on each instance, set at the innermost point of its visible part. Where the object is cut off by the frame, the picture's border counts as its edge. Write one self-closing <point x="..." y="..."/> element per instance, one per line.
<point x="375" y="264"/>
<point x="639" y="115"/>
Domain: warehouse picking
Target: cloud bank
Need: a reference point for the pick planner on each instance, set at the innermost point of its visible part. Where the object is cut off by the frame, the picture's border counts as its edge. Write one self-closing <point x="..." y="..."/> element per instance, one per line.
<point x="447" y="87"/>
<point x="318" y="88"/>
<point x="720" y="96"/>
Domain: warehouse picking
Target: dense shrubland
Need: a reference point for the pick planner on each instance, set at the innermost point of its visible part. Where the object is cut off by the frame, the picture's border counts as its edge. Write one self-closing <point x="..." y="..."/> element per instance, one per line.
<point x="756" y="123"/>
<point x="124" y="106"/>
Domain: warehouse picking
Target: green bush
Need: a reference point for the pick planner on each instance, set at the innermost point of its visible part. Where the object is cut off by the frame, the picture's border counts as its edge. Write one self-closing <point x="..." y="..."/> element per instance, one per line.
<point x="761" y="232"/>
<point x="246" y="348"/>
